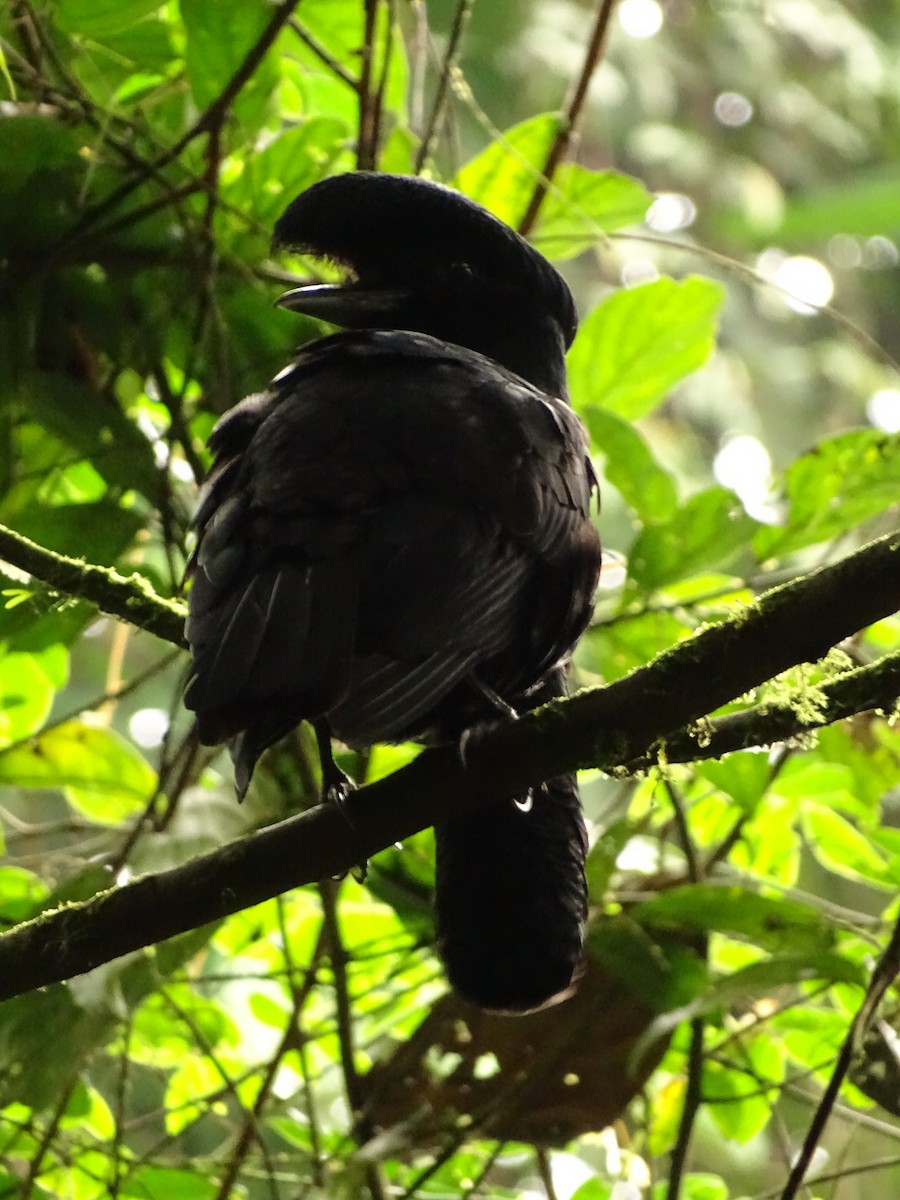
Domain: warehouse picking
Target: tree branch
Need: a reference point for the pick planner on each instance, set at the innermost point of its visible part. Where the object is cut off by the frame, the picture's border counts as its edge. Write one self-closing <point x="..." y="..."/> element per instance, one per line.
<point x="876" y="686"/>
<point x="569" y="121"/>
<point x="130" y="598"/>
<point x="605" y="727"/>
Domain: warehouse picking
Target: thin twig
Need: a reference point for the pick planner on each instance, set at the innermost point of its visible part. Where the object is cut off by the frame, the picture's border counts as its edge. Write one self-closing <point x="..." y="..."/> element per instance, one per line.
<point x="542" y="1157"/>
<point x="877" y="1164"/>
<point x="693" y="1089"/>
<point x="568" y="125"/>
<point x="886" y="971"/>
<point x="322" y="54"/>
<point x="46" y="1140"/>
<point x="367" y="143"/>
<point x="692" y="1099"/>
<point x="460" y="20"/>
<point x="211" y="117"/>
<point x="694" y="865"/>
<point x="328" y="891"/>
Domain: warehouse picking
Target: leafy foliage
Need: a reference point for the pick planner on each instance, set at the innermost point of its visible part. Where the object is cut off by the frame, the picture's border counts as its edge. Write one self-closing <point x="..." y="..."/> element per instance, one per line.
<point x="147" y="150"/>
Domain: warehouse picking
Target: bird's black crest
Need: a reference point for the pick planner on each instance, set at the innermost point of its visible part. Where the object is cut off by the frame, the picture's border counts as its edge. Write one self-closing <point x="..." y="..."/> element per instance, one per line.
<point x="388" y="228"/>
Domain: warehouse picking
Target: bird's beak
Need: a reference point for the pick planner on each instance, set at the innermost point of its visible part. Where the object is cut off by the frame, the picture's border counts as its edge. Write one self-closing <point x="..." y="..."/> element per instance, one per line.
<point x="352" y="305"/>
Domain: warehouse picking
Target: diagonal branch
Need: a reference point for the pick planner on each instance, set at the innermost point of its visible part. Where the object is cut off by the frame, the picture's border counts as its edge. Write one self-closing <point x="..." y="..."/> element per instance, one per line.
<point x="873" y="687"/>
<point x="605" y="727"/>
<point x="129" y="597"/>
<point x="568" y="124"/>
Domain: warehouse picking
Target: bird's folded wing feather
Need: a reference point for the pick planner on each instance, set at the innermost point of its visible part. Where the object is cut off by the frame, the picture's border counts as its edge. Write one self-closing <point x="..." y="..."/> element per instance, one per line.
<point x="369" y="530"/>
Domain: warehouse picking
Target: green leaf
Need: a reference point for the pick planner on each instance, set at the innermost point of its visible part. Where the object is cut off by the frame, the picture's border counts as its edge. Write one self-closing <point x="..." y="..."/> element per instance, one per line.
<point x="774" y="923"/>
<point x="219" y="37"/>
<point x="601" y="861"/>
<point x="661" y="971"/>
<point x="706" y="531"/>
<point x="21" y="893"/>
<point x="614" y="649"/>
<point x="300" y="156"/>
<point x="743" y="777"/>
<point x="737" y="1102"/>
<point x="95" y="428"/>
<point x="697" y="1186"/>
<point x="38" y="185"/>
<point x="7" y="78"/>
<point x="832" y="785"/>
<point x="834" y="487"/>
<point x="752" y="982"/>
<point x="842" y="848"/>
<point x="582" y="206"/>
<point x="168" y="1183"/>
<point x="99" y="531"/>
<point x="44" y="1036"/>
<point x="504" y="175"/>
<point x="593" y="1189"/>
<point x="96" y="18"/>
<point x="638" y="343"/>
<point x="630" y="466"/>
<point x="106" y="779"/>
<point x="33" y="620"/>
<point x="862" y="205"/>
<point x="28" y="683"/>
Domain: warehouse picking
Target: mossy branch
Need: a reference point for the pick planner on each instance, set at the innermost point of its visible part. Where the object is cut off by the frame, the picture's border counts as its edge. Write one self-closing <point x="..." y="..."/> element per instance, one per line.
<point x="609" y="727"/>
<point x="129" y="597"/>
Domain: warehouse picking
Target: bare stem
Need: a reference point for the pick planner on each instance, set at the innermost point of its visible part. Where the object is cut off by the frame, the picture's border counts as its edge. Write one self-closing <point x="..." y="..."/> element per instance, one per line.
<point x="568" y="125"/>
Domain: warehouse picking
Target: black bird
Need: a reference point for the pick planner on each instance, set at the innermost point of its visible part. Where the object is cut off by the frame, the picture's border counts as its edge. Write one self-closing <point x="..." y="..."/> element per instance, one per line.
<point x="395" y="542"/>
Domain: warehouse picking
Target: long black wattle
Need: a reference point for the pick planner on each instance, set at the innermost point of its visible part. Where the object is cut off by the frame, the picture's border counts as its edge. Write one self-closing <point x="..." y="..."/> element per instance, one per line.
<point x="397" y="532"/>
<point x="511" y="897"/>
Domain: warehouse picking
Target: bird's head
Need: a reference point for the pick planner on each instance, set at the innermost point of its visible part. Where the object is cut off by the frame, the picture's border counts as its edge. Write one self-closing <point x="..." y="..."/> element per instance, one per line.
<point x="420" y="256"/>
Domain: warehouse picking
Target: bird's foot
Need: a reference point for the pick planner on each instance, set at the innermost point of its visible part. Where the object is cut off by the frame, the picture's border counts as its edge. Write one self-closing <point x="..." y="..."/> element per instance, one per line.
<point x="470" y="736"/>
<point x="497" y="703"/>
<point x="337" y="788"/>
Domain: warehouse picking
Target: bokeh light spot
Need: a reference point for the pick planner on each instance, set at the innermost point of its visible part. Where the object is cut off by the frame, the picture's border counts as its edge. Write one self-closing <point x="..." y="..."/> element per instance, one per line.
<point x="641" y="18"/>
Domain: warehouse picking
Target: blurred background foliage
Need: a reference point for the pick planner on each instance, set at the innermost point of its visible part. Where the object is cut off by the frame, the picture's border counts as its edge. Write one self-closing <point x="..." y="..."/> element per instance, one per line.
<point x="736" y="172"/>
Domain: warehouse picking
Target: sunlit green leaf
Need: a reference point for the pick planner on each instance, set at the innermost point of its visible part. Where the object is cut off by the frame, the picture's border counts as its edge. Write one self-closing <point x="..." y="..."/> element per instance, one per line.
<point x="593" y="1189"/>
<point x="638" y="343"/>
<point x="28" y="683"/>
<point x="831" y="489"/>
<point x="168" y="1183"/>
<point x="772" y="922"/>
<point x="708" y="530"/>
<point x="95" y="18"/>
<point x="105" y="778"/>
<point x="21" y="893"/>
<point x="738" y="1100"/>
<point x="631" y="467"/>
<point x="503" y="176"/>
<point x="742" y="776"/>
<point x="695" y="1186"/>
<point x="583" y="206"/>
<point x="219" y="38"/>
<point x="842" y="848"/>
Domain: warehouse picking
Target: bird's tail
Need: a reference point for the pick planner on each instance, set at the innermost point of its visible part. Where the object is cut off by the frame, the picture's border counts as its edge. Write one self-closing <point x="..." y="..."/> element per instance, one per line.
<point x="511" y="898"/>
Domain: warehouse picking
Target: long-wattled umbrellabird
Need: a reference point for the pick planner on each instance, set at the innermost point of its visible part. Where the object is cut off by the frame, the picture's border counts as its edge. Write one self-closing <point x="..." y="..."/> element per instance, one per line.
<point x="395" y="541"/>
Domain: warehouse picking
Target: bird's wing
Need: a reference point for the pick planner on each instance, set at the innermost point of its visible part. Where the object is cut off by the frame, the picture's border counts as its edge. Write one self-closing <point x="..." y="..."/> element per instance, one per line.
<point x="370" y="533"/>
